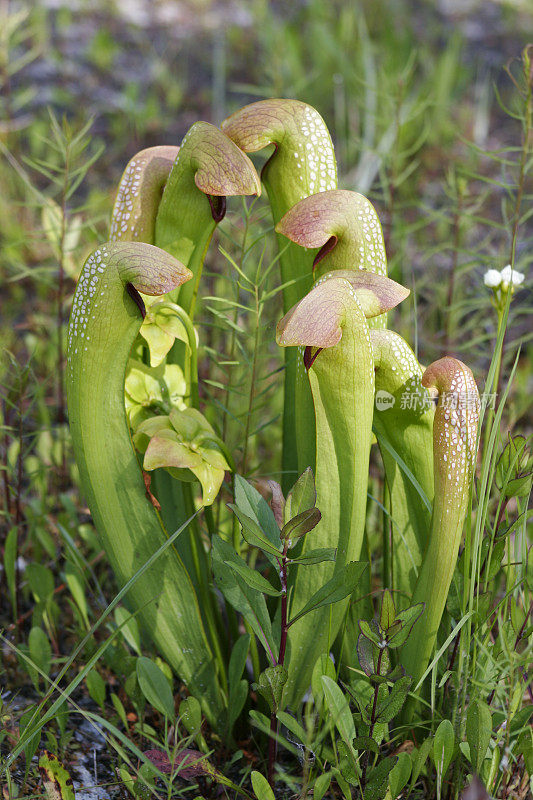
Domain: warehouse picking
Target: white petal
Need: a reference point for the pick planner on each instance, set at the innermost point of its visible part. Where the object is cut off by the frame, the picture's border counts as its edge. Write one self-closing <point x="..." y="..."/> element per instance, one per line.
<point x="492" y="278"/>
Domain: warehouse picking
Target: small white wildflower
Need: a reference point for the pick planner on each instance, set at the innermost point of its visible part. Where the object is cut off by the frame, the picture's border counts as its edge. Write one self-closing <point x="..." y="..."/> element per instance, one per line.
<point x="492" y="278"/>
<point x="511" y="276"/>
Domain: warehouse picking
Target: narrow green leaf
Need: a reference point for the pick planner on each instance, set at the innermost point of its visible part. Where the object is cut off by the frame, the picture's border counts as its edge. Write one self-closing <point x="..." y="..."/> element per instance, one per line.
<point x="391" y="706"/>
<point x="420" y="759"/>
<point x="347" y="763"/>
<point x="339" y="709"/>
<point x="388" y="611"/>
<point x="323" y="666"/>
<point x="250" y="502"/>
<point x="400" y="774"/>
<point x="261" y="787"/>
<point x="254" y="579"/>
<point x="443" y="747"/>
<point x="340" y="586"/>
<point x="298" y="526"/>
<point x="96" y="687"/>
<point x="407" y="618"/>
<point x="238" y="696"/>
<point x="40" y="649"/>
<point x="129" y="628"/>
<point x="378" y="780"/>
<point x="371" y="634"/>
<point x="10" y="560"/>
<point x="365" y="653"/>
<point x="252" y="533"/>
<point x="478" y="733"/>
<point x="74" y="581"/>
<point x="293" y="725"/>
<point x="316" y="556"/>
<point x="248" y="601"/>
<point x="237" y="660"/>
<point x="302" y="496"/>
<point x="154" y="686"/>
<point x="321" y="786"/>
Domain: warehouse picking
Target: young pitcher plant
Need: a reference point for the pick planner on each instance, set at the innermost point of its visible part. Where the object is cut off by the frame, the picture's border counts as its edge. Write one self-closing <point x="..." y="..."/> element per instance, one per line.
<point x="144" y="465"/>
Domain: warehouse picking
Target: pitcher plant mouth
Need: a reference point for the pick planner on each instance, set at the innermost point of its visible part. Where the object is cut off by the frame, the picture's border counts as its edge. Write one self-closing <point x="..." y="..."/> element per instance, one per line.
<point x="310" y="356"/>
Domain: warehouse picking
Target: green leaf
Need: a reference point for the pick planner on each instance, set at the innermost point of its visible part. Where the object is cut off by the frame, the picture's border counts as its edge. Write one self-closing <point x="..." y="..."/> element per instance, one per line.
<point x="339" y="709"/>
<point x="378" y="780"/>
<point x="340" y="586"/>
<point x="154" y="686"/>
<point x="513" y="471"/>
<point x="420" y="759"/>
<point x="443" y="747"/>
<point x="251" y="503"/>
<point x="293" y="725"/>
<point x="237" y="699"/>
<point x="386" y="676"/>
<point x="30" y="743"/>
<point x="237" y="660"/>
<point x="388" y="611"/>
<point x="248" y="601"/>
<point x="252" y="533"/>
<point x="525" y="747"/>
<point x="372" y="634"/>
<point x="408" y="617"/>
<point x="40" y="580"/>
<point x="119" y="708"/>
<point x="40" y="649"/>
<point x="365" y="653"/>
<point x="191" y="715"/>
<point x="298" y="526"/>
<point x="96" y="687"/>
<point x="323" y="666"/>
<point x="10" y="560"/>
<point x="321" y="785"/>
<point x="57" y="783"/>
<point x="400" y="774"/>
<point x="270" y="686"/>
<point x="74" y="581"/>
<point x="302" y="496"/>
<point x="391" y="706"/>
<point x="316" y="556"/>
<point x="478" y="732"/>
<point x="254" y="579"/>
<point x="347" y="763"/>
<point x="129" y="628"/>
<point x="366" y="743"/>
<point x="343" y="784"/>
<point x="261" y="787"/>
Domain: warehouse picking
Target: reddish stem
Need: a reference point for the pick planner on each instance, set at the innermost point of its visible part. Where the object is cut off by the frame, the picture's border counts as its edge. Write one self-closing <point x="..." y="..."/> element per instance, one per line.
<point x="273" y="744"/>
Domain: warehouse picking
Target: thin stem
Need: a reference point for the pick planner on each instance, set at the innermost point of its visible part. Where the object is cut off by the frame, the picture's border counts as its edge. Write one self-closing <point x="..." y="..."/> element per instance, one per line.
<point x="457" y="220"/>
<point x="273" y="744"/>
<point x="524" y="157"/>
<point x="233" y="342"/>
<point x="372" y="718"/>
<point x="5" y="466"/>
<point x="252" y="379"/>
<point x="394" y="168"/>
